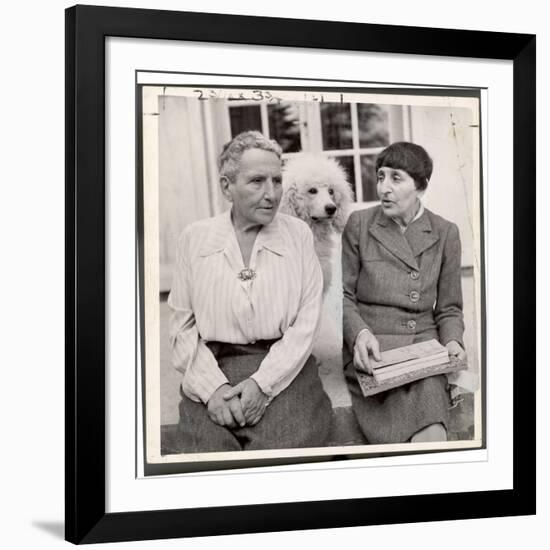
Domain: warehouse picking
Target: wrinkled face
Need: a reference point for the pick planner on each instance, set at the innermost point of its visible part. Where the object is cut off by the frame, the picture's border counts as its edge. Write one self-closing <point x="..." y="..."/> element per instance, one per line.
<point x="398" y="193"/>
<point x="257" y="189"/>
<point x="320" y="200"/>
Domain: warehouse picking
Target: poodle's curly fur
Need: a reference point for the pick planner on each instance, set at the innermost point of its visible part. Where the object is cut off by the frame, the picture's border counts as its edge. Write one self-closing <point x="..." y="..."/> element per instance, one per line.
<point x="316" y="190"/>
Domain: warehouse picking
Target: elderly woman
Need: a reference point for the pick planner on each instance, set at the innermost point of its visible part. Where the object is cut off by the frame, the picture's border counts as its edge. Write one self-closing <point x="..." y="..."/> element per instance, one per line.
<point x="401" y="278"/>
<point x="246" y="301"/>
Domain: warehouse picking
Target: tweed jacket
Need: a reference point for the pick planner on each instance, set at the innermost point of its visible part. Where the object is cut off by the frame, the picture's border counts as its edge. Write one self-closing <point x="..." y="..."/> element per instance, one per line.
<point x="403" y="287"/>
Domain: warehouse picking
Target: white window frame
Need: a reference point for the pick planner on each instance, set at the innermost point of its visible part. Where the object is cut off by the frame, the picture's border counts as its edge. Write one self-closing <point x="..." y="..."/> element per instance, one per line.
<point x="312" y="139"/>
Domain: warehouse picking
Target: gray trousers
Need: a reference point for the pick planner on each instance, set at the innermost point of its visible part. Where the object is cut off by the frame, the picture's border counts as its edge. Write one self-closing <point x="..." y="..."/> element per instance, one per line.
<point x="299" y="417"/>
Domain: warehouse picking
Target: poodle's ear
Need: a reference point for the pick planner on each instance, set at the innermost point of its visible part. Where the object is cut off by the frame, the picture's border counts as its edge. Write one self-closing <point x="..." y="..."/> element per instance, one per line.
<point x="293" y="203"/>
<point x="344" y="198"/>
<point x="340" y="219"/>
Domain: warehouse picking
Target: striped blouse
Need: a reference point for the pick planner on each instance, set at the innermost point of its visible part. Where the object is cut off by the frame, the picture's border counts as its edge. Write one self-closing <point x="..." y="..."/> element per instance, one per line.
<point x="210" y="302"/>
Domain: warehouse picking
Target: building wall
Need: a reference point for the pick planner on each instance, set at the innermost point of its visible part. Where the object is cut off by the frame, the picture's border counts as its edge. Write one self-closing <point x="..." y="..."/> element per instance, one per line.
<point x="447" y="134"/>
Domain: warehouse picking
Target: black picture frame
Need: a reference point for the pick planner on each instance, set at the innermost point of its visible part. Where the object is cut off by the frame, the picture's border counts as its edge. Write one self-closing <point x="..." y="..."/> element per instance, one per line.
<point x="85" y="492"/>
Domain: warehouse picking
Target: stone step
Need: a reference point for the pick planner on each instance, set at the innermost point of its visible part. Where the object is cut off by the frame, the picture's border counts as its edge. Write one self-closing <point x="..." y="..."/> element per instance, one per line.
<point x="344" y="430"/>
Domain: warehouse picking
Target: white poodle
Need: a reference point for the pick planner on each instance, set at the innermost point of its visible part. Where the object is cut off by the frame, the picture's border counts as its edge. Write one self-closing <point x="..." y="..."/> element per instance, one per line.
<point x="316" y="190"/>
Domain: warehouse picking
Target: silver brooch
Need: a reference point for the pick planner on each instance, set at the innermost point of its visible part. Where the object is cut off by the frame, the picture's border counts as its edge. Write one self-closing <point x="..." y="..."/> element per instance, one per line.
<point x="246" y="274"/>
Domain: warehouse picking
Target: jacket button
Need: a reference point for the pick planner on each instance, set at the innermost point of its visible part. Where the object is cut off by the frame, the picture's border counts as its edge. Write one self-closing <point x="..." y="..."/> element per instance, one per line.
<point x="414" y="275"/>
<point x="414" y="296"/>
<point x="411" y="324"/>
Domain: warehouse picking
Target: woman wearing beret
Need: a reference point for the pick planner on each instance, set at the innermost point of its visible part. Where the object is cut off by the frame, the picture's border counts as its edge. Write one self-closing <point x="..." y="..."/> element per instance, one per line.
<point x="402" y="285"/>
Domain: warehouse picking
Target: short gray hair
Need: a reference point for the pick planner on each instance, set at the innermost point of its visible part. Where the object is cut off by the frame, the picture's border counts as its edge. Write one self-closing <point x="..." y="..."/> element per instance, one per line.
<point x="230" y="157"/>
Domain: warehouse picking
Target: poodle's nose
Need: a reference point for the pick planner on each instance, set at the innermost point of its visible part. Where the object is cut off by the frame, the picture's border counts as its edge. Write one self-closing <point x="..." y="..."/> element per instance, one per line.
<point x="330" y="209"/>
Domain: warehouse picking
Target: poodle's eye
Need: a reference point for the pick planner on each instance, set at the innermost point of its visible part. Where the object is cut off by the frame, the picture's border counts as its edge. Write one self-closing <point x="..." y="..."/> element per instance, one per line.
<point x="313" y="191"/>
<point x="331" y="191"/>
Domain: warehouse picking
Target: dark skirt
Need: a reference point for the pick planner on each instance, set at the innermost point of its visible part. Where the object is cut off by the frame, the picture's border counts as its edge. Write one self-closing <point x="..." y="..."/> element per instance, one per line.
<point x="299" y="417"/>
<point x="394" y="416"/>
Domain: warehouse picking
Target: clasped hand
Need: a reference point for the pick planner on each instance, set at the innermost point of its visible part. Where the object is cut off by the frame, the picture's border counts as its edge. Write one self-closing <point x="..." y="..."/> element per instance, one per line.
<point x="240" y="405"/>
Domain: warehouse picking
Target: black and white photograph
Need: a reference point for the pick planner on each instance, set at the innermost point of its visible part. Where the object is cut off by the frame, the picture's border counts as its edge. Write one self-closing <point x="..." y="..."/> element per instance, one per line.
<point x="311" y="275"/>
<point x="300" y="275"/>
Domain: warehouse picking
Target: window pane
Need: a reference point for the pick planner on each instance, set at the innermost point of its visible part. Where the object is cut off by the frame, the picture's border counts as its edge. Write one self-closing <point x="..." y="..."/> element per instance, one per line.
<point x="245" y="118"/>
<point x="373" y="125"/>
<point x="347" y="164"/>
<point x="368" y="177"/>
<point x="284" y="126"/>
<point x="336" y="126"/>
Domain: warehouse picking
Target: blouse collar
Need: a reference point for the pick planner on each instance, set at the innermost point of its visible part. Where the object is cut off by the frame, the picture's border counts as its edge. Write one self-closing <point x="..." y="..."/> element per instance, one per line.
<point x="221" y="236"/>
<point x="419" y="213"/>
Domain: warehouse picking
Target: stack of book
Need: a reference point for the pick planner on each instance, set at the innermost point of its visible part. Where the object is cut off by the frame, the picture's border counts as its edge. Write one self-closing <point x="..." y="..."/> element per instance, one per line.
<point x="403" y="365"/>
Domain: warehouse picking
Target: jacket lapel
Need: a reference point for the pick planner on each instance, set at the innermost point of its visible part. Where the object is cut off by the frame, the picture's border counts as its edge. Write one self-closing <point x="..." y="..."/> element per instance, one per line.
<point x="421" y="234"/>
<point x="389" y="235"/>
